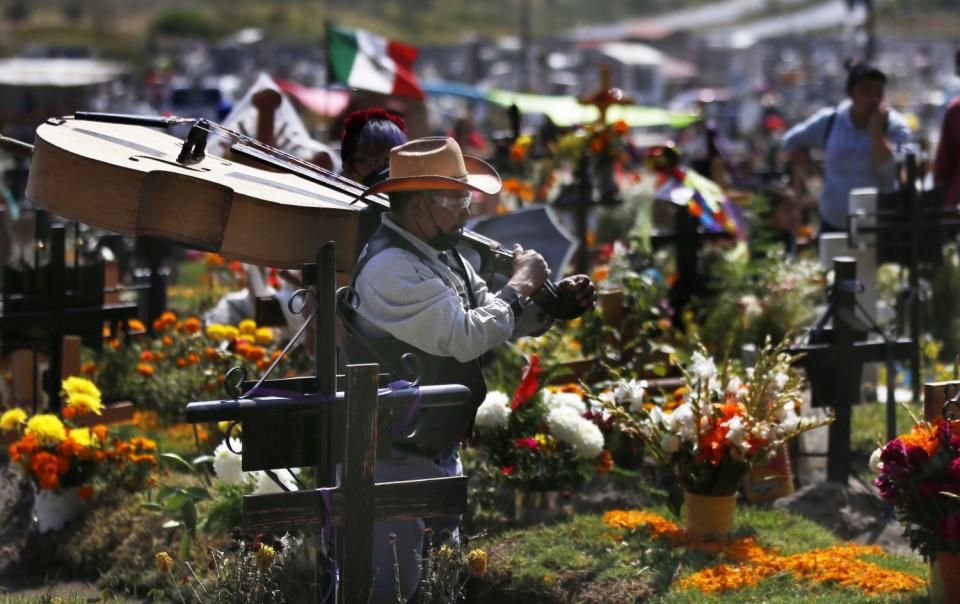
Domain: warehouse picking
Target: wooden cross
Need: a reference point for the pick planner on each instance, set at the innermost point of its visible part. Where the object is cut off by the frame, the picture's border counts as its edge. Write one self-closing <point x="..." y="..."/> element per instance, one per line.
<point x="605" y="96"/>
<point x="835" y="363"/>
<point x="325" y="426"/>
<point x="39" y="309"/>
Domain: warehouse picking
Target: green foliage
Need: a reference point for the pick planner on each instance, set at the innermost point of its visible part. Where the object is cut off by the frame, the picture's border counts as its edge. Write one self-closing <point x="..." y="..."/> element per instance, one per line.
<point x="184" y="23"/>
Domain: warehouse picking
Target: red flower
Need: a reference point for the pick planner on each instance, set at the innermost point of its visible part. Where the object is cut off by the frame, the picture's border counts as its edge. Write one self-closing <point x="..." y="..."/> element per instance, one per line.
<point x="85" y="492"/>
<point x="529" y="384"/>
<point x="507" y="470"/>
<point x="528" y="443"/>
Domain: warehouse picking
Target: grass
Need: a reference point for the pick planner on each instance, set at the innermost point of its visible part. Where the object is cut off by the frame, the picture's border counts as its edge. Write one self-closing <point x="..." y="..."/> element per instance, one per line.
<point x="581" y="560"/>
<point x="868" y="424"/>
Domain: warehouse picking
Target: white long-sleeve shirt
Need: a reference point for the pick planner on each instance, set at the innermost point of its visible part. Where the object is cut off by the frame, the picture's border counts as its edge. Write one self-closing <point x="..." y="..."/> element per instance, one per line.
<point x="405" y="295"/>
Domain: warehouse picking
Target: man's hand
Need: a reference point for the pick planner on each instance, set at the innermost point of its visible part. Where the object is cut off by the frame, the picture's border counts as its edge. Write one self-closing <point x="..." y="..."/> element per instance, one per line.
<point x="529" y="271"/>
<point x="581" y="288"/>
<point x="878" y="120"/>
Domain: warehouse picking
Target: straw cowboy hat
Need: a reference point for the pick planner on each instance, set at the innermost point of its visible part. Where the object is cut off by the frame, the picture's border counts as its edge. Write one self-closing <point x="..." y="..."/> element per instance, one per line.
<point x="436" y="163"/>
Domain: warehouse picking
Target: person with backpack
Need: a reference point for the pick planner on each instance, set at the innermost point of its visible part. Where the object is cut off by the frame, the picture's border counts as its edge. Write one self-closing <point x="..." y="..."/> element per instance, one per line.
<point x="859" y="139"/>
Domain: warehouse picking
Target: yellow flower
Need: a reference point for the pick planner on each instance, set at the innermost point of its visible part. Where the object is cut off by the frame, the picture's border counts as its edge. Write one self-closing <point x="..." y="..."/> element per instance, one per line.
<point x="163" y="562"/>
<point x="215" y="331"/>
<point x="248" y="327"/>
<point x="12" y="419"/>
<point x="230" y="332"/>
<point x="79" y="385"/>
<point x="477" y="562"/>
<point x="82" y="437"/>
<point x="238" y="429"/>
<point x="445" y="551"/>
<point x="83" y="403"/>
<point x="47" y="429"/>
<point x="264" y="335"/>
<point x="265" y="556"/>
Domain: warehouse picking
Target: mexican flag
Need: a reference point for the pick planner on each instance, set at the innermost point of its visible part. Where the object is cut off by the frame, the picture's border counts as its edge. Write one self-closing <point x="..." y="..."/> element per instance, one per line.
<point x="364" y="60"/>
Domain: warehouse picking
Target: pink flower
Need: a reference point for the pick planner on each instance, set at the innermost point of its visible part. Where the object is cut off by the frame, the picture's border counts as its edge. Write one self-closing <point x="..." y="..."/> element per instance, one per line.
<point x="507" y="470"/>
<point x="950" y="527"/>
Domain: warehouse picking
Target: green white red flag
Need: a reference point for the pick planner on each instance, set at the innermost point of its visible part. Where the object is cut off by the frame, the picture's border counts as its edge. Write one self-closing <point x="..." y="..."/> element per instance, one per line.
<point x="361" y="59"/>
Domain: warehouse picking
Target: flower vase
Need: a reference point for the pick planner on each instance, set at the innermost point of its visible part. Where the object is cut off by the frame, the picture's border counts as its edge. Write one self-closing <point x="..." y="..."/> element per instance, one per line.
<point x="54" y="509"/>
<point x="771" y="480"/>
<point x="949" y="563"/>
<point x="708" y="518"/>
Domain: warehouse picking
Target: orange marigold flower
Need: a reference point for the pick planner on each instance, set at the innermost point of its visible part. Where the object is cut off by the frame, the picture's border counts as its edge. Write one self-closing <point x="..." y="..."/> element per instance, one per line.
<point x="211" y="352"/>
<point x="193" y="359"/>
<point x="192" y="325"/>
<point x="168" y="317"/>
<point x="181" y="362"/>
<point x="88" y="368"/>
<point x="115" y="344"/>
<point x="604" y="463"/>
<point x="922" y="435"/>
<point x="145" y="369"/>
<point x="106" y="331"/>
<point x="255" y="353"/>
<point x="85" y="492"/>
<point x="146" y="355"/>
<point x="68" y="412"/>
<point x="263" y="364"/>
<point x="167" y="341"/>
<point x="136" y="325"/>
<point x="620" y="127"/>
<point x="49" y="481"/>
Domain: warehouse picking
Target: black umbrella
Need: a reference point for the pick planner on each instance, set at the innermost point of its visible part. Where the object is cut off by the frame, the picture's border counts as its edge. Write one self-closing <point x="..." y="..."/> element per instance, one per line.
<point x="533" y="227"/>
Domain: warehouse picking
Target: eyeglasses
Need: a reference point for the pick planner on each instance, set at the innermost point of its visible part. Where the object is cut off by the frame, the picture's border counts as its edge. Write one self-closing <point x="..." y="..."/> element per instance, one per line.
<point x="451" y="200"/>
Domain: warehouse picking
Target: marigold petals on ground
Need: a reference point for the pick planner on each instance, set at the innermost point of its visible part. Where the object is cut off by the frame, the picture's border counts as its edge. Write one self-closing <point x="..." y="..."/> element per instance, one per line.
<point x="840" y="564"/>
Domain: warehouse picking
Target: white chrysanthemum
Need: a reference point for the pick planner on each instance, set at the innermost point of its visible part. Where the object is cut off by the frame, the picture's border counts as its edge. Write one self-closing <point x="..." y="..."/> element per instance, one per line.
<point x="875" y="464"/>
<point x="630" y="393"/>
<point x="263" y="484"/>
<point x="670" y="443"/>
<point x="494" y="411"/>
<point x="227" y="464"/>
<point x="569" y="427"/>
<point x="556" y="400"/>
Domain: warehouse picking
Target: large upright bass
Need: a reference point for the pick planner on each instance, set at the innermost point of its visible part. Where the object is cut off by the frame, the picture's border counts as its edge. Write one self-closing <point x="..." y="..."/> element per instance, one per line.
<point x="122" y="173"/>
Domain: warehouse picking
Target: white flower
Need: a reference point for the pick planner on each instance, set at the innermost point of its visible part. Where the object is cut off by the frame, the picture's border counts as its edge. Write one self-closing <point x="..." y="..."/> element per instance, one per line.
<point x="703" y="367"/>
<point x="750" y="305"/>
<point x="556" y="400"/>
<point x="263" y="484"/>
<point x="788" y="418"/>
<point x="571" y="428"/>
<point x="875" y="465"/>
<point x="682" y="422"/>
<point x="736" y="432"/>
<point x="670" y="443"/>
<point x="630" y="393"/>
<point x="227" y="464"/>
<point x="780" y="379"/>
<point x="734" y="384"/>
<point x="657" y="418"/>
<point x="494" y="411"/>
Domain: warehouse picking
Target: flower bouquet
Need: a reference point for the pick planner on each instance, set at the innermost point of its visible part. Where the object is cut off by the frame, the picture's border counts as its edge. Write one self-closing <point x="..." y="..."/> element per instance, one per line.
<point x="541" y="438"/>
<point x="919" y="473"/>
<point x="720" y="423"/>
<point x="63" y="459"/>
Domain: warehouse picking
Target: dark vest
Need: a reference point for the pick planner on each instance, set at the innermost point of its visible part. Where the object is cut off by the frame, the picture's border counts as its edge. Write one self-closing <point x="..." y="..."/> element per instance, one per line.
<point x="432" y="431"/>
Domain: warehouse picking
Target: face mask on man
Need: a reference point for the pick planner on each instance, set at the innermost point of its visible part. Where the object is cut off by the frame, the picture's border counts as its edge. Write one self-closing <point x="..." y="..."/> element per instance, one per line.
<point x="445" y="240"/>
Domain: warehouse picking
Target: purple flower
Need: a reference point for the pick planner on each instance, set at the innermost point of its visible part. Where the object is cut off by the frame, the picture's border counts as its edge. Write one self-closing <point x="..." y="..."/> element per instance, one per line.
<point x="894" y="453"/>
<point x="953" y="470"/>
<point x="930" y="489"/>
<point x="950" y="527"/>
<point x="888" y="490"/>
<point x="916" y="456"/>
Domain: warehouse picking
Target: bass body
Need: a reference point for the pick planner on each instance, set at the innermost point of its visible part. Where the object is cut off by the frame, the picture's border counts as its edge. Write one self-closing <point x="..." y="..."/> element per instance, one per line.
<point x="127" y="179"/>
